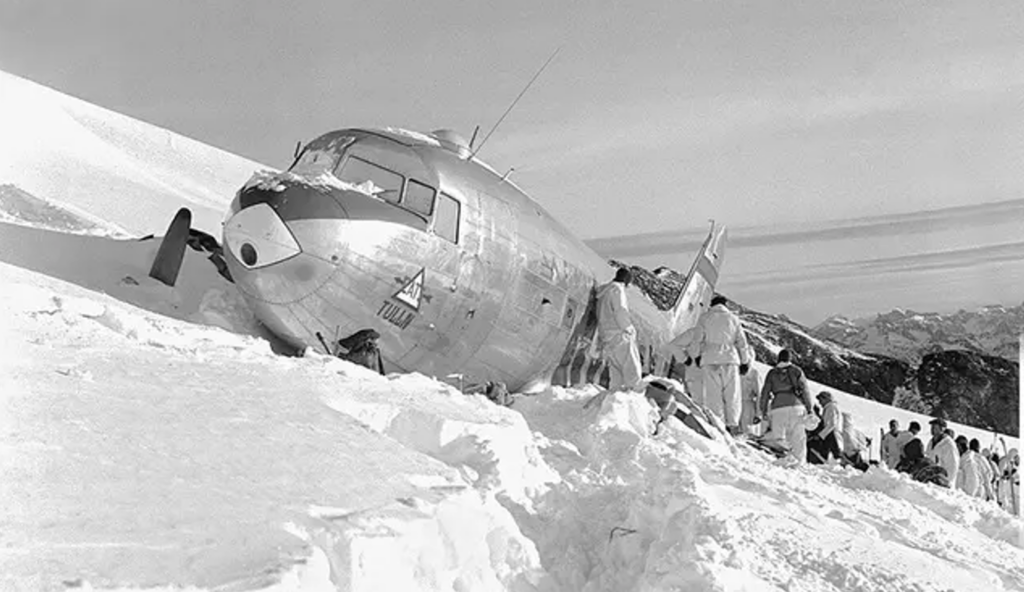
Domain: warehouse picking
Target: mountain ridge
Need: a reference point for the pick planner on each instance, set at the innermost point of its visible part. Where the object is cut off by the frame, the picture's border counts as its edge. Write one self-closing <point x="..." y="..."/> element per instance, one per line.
<point x="992" y="330"/>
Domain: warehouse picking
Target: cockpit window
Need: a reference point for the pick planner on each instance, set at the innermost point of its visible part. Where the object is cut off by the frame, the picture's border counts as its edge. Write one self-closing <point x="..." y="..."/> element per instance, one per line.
<point x="372" y="179"/>
<point x="419" y="197"/>
<point x="314" y="161"/>
<point x="446" y="219"/>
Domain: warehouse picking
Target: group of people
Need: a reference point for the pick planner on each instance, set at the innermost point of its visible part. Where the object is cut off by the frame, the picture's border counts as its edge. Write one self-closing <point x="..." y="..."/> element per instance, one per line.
<point x="717" y="368"/>
<point x="953" y="461"/>
<point x="718" y="373"/>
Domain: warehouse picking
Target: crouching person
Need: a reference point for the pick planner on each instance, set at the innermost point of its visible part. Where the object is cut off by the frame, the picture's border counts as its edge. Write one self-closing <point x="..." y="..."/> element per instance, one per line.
<point x="786" y="399"/>
<point x="920" y="468"/>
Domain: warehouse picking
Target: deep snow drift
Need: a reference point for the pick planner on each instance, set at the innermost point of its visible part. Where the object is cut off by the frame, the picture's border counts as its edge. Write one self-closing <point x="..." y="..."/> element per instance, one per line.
<point x="151" y="440"/>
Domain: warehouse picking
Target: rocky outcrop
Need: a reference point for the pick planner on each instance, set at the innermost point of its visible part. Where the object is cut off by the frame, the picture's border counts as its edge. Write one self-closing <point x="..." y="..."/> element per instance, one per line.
<point x="662" y="286"/>
<point x="871" y="376"/>
<point x="971" y="388"/>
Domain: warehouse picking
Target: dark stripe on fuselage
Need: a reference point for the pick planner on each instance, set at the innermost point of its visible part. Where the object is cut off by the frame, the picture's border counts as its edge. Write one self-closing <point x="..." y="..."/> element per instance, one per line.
<point x="302" y="202"/>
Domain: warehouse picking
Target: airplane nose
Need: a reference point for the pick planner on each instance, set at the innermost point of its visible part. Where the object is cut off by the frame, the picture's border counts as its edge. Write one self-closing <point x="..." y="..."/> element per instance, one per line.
<point x="257" y="237"/>
<point x="264" y="240"/>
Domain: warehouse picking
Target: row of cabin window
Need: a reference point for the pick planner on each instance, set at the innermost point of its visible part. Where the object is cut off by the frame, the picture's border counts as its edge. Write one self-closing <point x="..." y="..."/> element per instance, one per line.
<point x="418" y="197"/>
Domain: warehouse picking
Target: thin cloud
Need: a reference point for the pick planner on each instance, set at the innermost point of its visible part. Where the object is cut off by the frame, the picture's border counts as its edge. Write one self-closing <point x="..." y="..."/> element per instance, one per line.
<point x="932" y="221"/>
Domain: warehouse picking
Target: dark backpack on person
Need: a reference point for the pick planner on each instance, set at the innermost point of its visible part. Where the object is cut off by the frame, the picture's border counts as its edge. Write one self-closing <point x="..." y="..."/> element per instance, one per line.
<point x="363" y="350"/>
<point x="366" y="355"/>
<point x="498" y="393"/>
<point x="792" y="375"/>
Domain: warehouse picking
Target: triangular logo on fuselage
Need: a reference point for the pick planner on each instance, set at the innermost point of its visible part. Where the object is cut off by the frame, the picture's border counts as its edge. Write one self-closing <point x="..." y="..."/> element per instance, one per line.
<point x="412" y="291"/>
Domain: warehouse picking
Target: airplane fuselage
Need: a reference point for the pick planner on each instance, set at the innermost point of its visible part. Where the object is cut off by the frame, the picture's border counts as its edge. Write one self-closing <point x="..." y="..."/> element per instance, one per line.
<point x="459" y="271"/>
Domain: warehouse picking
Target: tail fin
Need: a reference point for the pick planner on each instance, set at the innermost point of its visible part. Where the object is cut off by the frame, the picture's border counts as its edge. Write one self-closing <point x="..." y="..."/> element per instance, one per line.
<point x="700" y="282"/>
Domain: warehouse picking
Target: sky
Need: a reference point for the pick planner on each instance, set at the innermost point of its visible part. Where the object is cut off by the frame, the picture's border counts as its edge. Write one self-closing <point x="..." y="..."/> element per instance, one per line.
<point x="656" y="120"/>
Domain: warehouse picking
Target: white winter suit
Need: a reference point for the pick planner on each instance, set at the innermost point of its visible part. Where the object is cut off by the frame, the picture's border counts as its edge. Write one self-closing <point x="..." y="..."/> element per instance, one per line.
<point x="750" y="393"/>
<point x="719" y="341"/>
<point x="971" y="476"/>
<point x="946" y="455"/>
<point x="855" y="443"/>
<point x="988" y="473"/>
<point x="831" y="421"/>
<point x="693" y="375"/>
<point x="892" y="447"/>
<point x="1007" y="491"/>
<point x="617" y="337"/>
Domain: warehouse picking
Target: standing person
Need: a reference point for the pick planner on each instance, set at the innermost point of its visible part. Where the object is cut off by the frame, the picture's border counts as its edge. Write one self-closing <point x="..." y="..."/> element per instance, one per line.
<point x="969" y="477"/>
<point x="913" y="430"/>
<point x="942" y="450"/>
<point x="691" y="373"/>
<point x="786" y="394"/>
<point x="985" y="472"/>
<point x="893" y="441"/>
<point x="887" y="446"/>
<point x="1009" y="482"/>
<point x="720" y="348"/>
<point x="750" y="393"/>
<point x="617" y="334"/>
<point x="831" y="426"/>
<point x="993" y="474"/>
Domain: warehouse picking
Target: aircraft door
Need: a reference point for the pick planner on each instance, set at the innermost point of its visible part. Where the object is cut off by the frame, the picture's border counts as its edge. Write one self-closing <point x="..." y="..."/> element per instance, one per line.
<point x="476" y="294"/>
<point x="486" y="269"/>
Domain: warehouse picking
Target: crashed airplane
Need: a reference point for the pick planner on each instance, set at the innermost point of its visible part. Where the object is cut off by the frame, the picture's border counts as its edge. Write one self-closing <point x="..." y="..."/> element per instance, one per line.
<point x="457" y="269"/>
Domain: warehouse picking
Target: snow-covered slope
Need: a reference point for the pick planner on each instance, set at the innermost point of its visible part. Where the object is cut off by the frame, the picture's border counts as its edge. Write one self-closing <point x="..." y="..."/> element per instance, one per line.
<point x="908" y="335"/>
<point x="141" y="452"/>
<point x="123" y="171"/>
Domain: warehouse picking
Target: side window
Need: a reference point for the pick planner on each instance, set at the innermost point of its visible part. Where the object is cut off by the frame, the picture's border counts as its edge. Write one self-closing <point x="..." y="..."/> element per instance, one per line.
<point x="372" y="178"/>
<point x="446" y="219"/>
<point x="419" y="197"/>
<point x="314" y="161"/>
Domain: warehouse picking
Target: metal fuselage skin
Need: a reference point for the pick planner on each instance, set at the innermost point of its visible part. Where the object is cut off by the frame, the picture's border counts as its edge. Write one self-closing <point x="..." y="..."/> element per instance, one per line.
<point x="510" y="299"/>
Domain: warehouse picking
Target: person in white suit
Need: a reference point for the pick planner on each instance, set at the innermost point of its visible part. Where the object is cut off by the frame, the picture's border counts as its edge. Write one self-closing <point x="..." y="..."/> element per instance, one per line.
<point x="616" y="333"/>
<point x="720" y="348"/>
<point x="942" y="450"/>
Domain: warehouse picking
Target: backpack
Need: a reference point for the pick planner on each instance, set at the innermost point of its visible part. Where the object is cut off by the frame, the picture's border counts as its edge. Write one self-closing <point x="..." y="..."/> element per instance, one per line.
<point x="366" y="355"/>
<point x="795" y="384"/>
<point x="362" y="349"/>
<point x="498" y="393"/>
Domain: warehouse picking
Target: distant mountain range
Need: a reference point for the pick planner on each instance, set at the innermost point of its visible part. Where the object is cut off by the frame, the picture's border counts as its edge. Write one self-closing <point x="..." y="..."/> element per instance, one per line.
<point x="954" y="366"/>
<point x="910" y="336"/>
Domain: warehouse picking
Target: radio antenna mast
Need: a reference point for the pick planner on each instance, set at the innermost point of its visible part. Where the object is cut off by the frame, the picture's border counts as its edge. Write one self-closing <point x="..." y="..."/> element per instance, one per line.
<point x="510" y="107"/>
